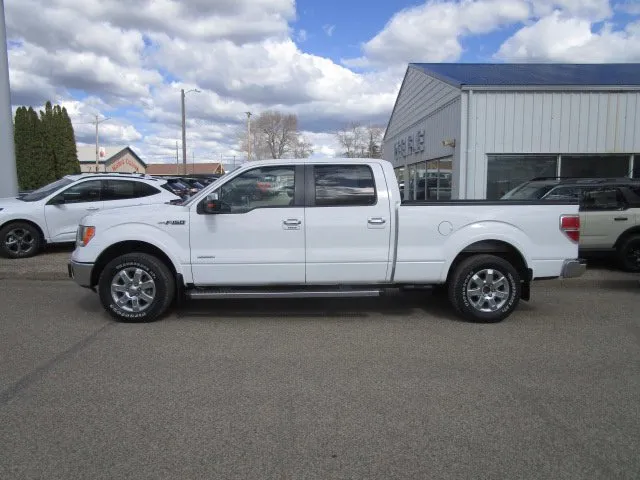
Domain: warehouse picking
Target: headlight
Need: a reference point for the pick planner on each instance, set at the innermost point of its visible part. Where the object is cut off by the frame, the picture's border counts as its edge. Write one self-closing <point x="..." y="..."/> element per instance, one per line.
<point x="84" y="235"/>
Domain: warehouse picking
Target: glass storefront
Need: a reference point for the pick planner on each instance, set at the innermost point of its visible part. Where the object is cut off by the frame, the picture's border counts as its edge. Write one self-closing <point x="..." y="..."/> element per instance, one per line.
<point x="505" y="172"/>
<point x="430" y="180"/>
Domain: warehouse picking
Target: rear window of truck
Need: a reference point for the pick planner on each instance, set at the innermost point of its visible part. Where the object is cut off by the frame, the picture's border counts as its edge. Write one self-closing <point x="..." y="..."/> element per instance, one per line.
<point x="344" y="185"/>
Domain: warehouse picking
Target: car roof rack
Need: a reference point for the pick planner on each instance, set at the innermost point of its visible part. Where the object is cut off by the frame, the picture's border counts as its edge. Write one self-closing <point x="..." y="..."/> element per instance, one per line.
<point x="588" y="179"/>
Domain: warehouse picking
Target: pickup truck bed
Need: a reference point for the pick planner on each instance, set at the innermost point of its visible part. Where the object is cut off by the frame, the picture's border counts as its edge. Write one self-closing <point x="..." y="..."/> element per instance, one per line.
<point x="327" y="227"/>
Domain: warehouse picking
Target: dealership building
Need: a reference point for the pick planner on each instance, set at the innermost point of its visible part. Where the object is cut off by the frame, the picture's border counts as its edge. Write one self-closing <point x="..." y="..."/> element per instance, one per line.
<point x="478" y="130"/>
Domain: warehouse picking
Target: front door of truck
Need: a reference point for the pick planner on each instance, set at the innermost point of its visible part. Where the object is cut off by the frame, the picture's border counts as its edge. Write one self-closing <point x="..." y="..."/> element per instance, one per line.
<point x="256" y="237"/>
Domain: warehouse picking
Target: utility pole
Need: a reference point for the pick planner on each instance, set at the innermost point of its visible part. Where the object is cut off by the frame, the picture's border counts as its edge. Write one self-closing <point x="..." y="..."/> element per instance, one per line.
<point x="8" y="172"/>
<point x="193" y="162"/>
<point x="177" y="160"/>
<point x="248" y="135"/>
<point x="183" y="94"/>
<point x="98" y="122"/>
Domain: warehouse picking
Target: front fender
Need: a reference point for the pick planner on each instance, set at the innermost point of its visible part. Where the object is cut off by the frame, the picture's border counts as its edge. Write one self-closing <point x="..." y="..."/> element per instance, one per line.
<point x="178" y="255"/>
<point x="483" y="231"/>
<point x="28" y="217"/>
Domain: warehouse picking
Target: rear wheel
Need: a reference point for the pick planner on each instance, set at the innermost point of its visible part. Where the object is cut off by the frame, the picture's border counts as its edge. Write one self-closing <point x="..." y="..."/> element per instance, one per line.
<point x="485" y="288"/>
<point x="629" y="254"/>
<point x="136" y="287"/>
<point x="20" y="240"/>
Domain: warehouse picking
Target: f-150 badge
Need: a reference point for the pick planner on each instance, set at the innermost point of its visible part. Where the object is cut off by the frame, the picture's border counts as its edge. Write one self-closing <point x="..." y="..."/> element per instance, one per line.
<point x="172" y="222"/>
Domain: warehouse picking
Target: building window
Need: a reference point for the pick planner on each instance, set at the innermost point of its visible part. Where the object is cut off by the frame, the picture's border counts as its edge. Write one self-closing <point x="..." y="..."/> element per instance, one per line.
<point x="594" y="166"/>
<point x="505" y="172"/>
<point x="635" y="163"/>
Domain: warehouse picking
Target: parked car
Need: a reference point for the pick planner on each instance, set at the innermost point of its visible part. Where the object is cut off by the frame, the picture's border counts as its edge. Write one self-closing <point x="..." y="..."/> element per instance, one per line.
<point x="609" y="212"/>
<point x="51" y="214"/>
<point x="344" y="232"/>
<point x="177" y="186"/>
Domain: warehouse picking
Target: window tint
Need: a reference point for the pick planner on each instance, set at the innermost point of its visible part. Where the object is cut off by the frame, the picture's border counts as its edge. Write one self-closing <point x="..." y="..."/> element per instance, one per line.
<point x="259" y="188"/>
<point x="604" y="198"/>
<point x="126" y="189"/>
<point x="345" y="185"/>
<point x="83" y="192"/>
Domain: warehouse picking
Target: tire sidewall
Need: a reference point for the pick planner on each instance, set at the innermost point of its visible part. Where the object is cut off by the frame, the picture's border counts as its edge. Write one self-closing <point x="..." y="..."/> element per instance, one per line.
<point x="109" y="273"/>
<point x="626" y="264"/>
<point x="514" y="292"/>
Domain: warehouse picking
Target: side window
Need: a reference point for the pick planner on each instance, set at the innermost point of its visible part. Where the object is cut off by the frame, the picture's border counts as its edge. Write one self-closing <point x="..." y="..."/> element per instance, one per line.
<point x="83" y="192"/>
<point x="263" y="187"/>
<point x="603" y="198"/>
<point x="126" y="189"/>
<point x="344" y="185"/>
<point x="564" y="193"/>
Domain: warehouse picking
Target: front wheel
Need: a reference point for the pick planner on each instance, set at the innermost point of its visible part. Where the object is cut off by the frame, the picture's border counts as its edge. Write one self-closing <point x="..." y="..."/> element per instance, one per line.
<point x="136" y="287"/>
<point x="485" y="288"/>
<point x="20" y="240"/>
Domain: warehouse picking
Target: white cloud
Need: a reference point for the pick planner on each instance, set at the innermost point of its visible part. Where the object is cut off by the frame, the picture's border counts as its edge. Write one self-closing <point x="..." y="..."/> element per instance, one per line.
<point x="585" y="9"/>
<point x="558" y="39"/>
<point x="302" y="35"/>
<point x="432" y="32"/>
<point x="329" y="29"/>
<point x="631" y="7"/>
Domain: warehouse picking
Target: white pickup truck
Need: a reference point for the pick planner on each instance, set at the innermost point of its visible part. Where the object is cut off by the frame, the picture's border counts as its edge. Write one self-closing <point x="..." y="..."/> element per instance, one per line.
<point x="322" y="228"/>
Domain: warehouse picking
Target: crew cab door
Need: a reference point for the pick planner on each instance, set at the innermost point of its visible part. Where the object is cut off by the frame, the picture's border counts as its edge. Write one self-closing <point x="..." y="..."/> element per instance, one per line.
<point x="348" y="223"/>
<point x="606" y="217"/>
<point x="64" y="211"/>
<point x="253" y="232"/>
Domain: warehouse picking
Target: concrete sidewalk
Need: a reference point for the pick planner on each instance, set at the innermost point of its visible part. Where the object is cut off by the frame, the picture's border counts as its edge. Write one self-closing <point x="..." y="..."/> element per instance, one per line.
<point x="52" y="265"/>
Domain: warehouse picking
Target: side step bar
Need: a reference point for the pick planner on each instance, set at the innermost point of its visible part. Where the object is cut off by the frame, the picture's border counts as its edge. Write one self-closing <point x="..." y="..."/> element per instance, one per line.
<point x="211" y="294"/>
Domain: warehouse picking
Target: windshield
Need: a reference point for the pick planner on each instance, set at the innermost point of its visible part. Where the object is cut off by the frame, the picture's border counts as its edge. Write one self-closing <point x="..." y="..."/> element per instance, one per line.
<point x="46" y="190"/>
<point x="527" y="192"/>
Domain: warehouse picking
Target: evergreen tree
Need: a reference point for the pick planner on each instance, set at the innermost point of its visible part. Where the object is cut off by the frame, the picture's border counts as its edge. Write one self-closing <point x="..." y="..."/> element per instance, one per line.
<point x="49" y="137"/>
<point x="71" y="164"/>
<point x="22" y="144"/>
<point x="44" y="173"/>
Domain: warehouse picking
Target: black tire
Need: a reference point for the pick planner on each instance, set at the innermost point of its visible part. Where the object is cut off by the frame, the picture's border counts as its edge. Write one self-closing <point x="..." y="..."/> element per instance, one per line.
<point x="629" y="254"/>
<point x="20" y="240"/>
<point x="153" y="269"/>
<point x="471" y="307"/>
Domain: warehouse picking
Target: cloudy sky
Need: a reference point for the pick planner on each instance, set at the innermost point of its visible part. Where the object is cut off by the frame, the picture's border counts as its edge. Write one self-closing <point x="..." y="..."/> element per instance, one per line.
<point x="328" y="61"/>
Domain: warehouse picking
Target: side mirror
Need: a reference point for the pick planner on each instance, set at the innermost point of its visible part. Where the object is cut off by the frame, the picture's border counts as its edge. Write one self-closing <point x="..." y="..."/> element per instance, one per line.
<point x="57" y="200"/>
<point x="210" y="205"/>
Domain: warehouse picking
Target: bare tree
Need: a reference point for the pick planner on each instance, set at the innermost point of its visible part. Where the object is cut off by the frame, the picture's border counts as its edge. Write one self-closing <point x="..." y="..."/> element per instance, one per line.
<point x="302" y="148"/>
<point x="352" y="139"/>
<point x="357" y="140"/>
<point x="278" y="131"/>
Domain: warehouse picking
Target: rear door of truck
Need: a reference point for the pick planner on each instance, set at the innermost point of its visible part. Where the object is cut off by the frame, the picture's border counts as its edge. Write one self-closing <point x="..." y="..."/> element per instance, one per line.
<point x="348" y="223"/>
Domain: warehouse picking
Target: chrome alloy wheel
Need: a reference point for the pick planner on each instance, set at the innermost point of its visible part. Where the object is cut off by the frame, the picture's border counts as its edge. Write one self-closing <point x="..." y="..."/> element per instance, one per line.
<point x="133" y="290"/>
<point x="19" y="241"/>
<point x="488" y="290"/>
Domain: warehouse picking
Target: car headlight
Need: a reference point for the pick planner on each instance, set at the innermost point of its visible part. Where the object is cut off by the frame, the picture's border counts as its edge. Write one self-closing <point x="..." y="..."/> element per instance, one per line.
<point x="84" y="235"/>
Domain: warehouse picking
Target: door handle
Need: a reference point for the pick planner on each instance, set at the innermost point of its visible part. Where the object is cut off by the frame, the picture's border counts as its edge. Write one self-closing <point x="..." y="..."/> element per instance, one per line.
<point x="377" y="221"/>
<point x="92" y="209"/>
<point x="621" y="219"/>
<point x="291" y="222"/>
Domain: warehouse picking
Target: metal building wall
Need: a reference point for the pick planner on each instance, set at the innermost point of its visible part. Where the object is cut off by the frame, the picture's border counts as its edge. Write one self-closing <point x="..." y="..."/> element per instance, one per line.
<point x="423" y="103"/>
<point x="556" y="122"/>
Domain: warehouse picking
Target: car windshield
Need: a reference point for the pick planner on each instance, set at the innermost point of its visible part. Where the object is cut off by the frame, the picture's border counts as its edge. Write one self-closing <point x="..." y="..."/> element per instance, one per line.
<point x="527" y="192"/>
<point x="47" y="190"/>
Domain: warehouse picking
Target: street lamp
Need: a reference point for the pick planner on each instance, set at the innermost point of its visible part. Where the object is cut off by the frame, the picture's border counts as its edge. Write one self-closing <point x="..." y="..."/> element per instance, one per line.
<point x="184" y="127"/>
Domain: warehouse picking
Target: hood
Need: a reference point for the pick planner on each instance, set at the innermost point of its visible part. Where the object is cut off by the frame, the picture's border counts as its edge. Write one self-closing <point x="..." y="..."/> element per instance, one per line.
<point x="8" y="202"/>
<point x="134" y="213"/>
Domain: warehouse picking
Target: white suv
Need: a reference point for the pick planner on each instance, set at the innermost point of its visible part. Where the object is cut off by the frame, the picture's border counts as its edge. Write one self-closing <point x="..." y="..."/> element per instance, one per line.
<point x="52" y="213"/>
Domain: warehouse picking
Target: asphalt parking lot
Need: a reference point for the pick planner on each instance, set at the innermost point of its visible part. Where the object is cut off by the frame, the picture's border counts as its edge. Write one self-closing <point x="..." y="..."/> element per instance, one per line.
<point x="370" y="388"/>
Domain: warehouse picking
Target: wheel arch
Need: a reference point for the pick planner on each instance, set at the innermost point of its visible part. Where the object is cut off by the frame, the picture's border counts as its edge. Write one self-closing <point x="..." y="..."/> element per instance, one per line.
<point x="129" y="246"/>
<point x="625" y="235"/>
<point x="30" y="222"/>
<point x="499" y="248"/>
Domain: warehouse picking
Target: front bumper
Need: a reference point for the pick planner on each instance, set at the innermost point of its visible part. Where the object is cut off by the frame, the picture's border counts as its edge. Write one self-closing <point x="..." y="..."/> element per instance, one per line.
<point x="80" y="273"/>
<point x="573" y="268"/>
